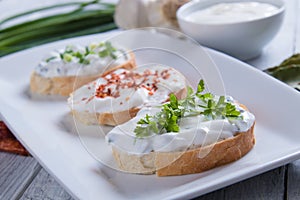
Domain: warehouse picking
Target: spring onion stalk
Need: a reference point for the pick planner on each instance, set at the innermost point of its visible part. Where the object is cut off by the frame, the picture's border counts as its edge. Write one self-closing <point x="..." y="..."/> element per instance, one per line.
<point x="84" y="18"/>
<point x="7" y="50"/>
<point x="52" y="30"/>
<point x="42" y="9"/>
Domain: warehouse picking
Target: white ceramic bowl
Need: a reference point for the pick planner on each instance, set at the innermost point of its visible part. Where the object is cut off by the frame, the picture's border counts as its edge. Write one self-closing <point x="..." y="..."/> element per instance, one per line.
<point x="243" y="40"/>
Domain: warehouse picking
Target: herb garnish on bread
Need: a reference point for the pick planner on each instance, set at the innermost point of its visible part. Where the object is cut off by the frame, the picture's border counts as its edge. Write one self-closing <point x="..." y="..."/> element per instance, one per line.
<point x="68" y="69"/>
<point x="197" y="133"/>
<point x="116" y="97"/>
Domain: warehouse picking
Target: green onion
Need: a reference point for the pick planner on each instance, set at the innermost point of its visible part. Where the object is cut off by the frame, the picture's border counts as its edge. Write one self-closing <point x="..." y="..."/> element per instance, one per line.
<point x="4" y="50"/>
<point x="82" y="20"/>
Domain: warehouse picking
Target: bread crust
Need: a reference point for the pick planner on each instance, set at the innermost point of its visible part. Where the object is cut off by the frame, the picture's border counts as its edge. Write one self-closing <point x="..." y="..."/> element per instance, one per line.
<point x="64" y="85"/>
<point x="221" y="153"/>
<point x="137" y="164"/>
<point x="111" y="119"/>
<point x="190" y="161"/>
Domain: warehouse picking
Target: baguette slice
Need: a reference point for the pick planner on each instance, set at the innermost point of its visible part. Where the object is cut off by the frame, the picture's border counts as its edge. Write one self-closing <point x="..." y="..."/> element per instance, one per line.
<point x="64" y="85"/>
<point x="105" y="118"/>
<point x="112" y="118"/>
<point x="187" y="162"/>
<point x="126" y="95"/>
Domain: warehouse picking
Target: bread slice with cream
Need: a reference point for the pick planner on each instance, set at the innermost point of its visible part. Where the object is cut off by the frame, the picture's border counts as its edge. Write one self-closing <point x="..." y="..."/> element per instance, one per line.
<point x="116" y="97"/>
<point x="210" y="131"/>
<point x="65" y="70"/>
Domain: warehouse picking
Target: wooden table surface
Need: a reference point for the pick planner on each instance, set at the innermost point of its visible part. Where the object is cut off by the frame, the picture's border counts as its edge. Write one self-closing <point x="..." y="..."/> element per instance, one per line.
<point x="23" y="178"/>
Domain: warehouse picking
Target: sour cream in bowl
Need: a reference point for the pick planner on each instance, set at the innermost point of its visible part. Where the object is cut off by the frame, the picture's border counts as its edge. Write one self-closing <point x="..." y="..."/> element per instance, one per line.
<point x="239" y="28"/>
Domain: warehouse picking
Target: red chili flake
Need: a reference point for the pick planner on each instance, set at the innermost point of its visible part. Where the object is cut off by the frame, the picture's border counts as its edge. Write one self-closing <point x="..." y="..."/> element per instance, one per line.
<point x="147" y="88"/>
<point x="109" y="91"/>
<point x="155" y="80"/>
<point x="154" y="86"/>
<point x="90" y="99"/>
<point x="117" y="94"/>
<point x="130" y="79"/>
<point x="165" y="74"/>
<point x="147" y="72"/>
<point x="130" y="84"/>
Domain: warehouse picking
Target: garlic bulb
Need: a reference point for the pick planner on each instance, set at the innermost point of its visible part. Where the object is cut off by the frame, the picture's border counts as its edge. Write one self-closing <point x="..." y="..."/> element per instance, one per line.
<point x="144" y="13"/>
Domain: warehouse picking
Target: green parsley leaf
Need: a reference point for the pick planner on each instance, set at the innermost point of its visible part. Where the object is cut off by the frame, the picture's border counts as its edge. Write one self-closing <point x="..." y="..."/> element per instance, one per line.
<point x="146" y="120"/>
<point x="87" y="50"/>
<point x="51" y="58"/>
<point x="200" y="87"/>
<point x="221" y="101"/>
<point x="144" y="131"/>
<point x="199" y="103"/>
<point x="190" y="91"/>
<point x="173" y="101"/>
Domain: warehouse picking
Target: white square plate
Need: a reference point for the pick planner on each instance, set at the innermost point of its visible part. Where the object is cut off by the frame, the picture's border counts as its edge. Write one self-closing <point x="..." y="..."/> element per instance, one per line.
<point x="39" y="126"/>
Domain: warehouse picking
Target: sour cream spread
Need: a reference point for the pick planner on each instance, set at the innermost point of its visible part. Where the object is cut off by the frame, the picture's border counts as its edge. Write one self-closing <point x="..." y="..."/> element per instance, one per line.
<point x="123" y="89"/>
<point x="232" y="12"/>
<point x="195" y="131"/>
<point x="81" y="60"/>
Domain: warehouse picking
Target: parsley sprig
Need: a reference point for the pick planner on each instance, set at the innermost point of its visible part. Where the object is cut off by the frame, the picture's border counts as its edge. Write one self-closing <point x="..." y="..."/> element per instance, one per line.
<point x="215" y="109"/>
<point x="198" y="103"/>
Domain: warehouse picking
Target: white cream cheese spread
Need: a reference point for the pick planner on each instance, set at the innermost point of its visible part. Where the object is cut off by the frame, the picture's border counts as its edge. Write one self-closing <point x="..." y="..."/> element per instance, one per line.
<point x="81" y="60"/>
<point x="195" y="130"/>
<point x="123" y="89"/>
<point x="232" y="12"/>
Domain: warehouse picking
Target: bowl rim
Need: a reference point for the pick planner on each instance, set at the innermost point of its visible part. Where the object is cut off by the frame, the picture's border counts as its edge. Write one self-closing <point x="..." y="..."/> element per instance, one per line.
<point x="192" y="3"/>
